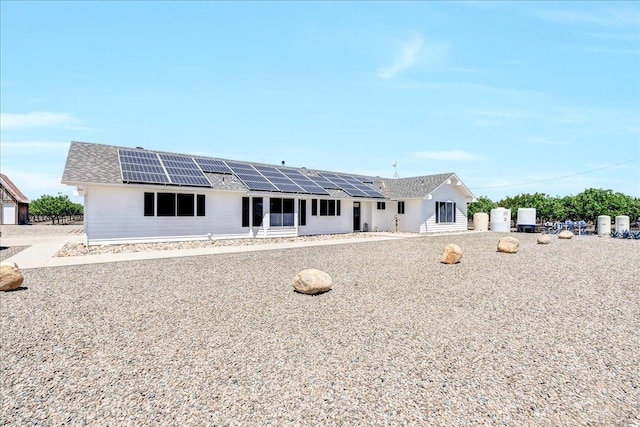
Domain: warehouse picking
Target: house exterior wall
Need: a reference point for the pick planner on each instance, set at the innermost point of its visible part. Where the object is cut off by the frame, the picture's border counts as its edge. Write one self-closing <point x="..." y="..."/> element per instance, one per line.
<point x="445" y="193"/>
<point x="115" y="214"/>
<point x="317" y="224"/>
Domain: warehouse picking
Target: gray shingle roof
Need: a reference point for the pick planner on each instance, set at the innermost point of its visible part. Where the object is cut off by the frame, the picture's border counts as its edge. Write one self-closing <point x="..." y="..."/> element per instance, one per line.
<point x="89" y="163"/>
<point x="92" y="163"/>
<point x="419" y="186"/>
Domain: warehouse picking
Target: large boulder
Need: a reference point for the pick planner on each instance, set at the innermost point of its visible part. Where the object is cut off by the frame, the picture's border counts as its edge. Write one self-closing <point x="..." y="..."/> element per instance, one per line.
<point x="452" y="254"/>
<point x="544" y="239"/>
<point x="509" y="245"/>
<point x="10" y="276"/>
<point x="565" y="234"/>
<point x="312" y="281"/>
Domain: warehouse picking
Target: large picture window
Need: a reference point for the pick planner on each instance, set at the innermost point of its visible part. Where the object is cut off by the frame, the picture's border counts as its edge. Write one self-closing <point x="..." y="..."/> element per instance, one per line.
<point x="185" y="204"/>
<point x="166" y="204"/>
<point x="281" y="212"/>
<point x="445" y="212"/>
<point x="174" y="204"/>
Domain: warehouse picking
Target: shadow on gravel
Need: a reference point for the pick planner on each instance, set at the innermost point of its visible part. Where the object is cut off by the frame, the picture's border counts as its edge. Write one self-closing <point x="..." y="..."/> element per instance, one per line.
<point x="21" y="288"/>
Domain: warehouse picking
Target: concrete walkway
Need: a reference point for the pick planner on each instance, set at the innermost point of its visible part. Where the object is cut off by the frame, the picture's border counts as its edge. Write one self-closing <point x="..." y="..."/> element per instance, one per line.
<point x="41" y="250"/>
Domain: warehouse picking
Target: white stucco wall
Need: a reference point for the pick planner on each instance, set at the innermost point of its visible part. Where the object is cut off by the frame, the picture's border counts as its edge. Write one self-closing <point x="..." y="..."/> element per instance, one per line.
<point x="115" y="214"/>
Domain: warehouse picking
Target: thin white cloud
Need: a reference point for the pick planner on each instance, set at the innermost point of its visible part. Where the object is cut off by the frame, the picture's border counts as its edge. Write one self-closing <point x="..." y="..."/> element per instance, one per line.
<point x="35" y="120"/>
<point x="605" y="17"/>
<point x="453" y="155"/>
<point x="408" y="56"/>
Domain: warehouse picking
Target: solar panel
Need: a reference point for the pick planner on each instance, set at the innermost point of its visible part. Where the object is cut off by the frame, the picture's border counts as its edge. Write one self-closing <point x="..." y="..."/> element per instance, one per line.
<point x="141" y="166"/>
<point x="352" y="186"/>
<point x="259" y="185"/>
<point x="304" y="182"/>
<point x="278" y="178"/>
<point x="183" y="170"/>
<point x="324" y="182"/>
<point x="250" y="177"/>
<point x="213" y="165"/>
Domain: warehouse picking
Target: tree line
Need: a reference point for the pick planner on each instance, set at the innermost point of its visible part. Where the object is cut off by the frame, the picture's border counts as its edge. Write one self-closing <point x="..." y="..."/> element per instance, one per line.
<point x="585" y="206"/>
<point x="54" y="208"/>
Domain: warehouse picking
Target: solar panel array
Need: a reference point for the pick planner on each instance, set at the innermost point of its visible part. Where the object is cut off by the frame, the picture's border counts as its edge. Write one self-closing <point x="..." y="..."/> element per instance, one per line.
<point x="141" y="166"/>
<point x="213" y="165"/>
<point x="304" y="182"/>
<point x="352" y="186"/>
<point x="183" y="170"/>
<point x="160" y="168"/>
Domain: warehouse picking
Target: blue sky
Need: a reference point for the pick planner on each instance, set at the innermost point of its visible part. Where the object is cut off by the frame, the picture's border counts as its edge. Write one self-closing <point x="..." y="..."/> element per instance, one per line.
<point x="515" y="97"/>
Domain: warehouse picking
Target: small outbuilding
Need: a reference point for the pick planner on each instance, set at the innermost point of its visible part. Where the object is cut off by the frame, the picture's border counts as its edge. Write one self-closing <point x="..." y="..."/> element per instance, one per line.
<point x="15" y="205"/>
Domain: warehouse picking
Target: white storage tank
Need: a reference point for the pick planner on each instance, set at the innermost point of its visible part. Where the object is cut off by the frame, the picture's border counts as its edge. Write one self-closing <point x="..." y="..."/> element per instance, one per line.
<point x="501" y="220"/>
<point x="604" y="224"/>
<point x="622" y="223"/>
<point x="481" y="221"/>
<point x="526" y="216"/>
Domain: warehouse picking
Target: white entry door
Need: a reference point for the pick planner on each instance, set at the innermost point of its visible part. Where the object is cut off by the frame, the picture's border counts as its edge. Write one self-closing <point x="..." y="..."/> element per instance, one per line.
<point x="9" y="214"/>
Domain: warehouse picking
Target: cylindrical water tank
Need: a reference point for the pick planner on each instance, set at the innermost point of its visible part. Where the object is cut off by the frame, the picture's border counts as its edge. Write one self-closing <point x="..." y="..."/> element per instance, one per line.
<point x="480" y="221"/>
<point x="622" y="223"/>
<point x="526" y="216"/>
<point x="501" y="220"/>
<point x="604" y="224"/>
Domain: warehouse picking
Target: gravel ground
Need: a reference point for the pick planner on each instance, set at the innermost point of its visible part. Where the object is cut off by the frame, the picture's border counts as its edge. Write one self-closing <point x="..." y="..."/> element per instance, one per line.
<point x="40" y="229"/>
<point x="547" y="336"/>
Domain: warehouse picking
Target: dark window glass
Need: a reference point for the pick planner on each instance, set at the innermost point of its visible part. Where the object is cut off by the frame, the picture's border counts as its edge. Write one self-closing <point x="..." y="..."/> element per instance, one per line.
<point x="275" y="212"/>
<point x="149" y="204"/>
<point x="400" y="207"/>
<point x="381" y="206"/>
<point x="302" y="212"/>
<point x="445" y="212"/>
<point x="332" y="208"/>
<point x="185" y="205"/>
<point x="245" y="211"/>
<point x="324" y="207"/>
<point x="314" y="207"/>
<point x="166" y="204"/>
<point x="288" y="212"/>
<point x="257" y="211"/>
<point x="200" y="202"/>
<point x="338" y="207"/>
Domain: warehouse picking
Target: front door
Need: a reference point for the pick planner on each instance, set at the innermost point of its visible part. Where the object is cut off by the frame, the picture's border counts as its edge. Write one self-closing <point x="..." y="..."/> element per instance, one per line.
<point x="356" y="216"/>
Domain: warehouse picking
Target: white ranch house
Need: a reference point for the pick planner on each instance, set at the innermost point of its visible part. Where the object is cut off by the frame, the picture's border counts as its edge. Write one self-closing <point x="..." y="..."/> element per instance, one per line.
<point x="137" y="195"/>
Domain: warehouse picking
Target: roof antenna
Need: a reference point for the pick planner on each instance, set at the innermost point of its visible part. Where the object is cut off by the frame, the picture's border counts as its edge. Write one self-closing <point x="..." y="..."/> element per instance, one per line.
<point x="395" y="169"/>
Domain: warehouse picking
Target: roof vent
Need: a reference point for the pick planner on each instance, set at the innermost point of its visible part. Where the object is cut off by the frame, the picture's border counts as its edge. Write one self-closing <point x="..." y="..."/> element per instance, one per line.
<point x="283" y="163"/>
<point x="140" y="148"/>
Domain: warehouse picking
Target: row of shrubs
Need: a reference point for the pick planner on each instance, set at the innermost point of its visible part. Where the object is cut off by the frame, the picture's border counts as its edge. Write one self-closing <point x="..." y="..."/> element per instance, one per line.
<point x="626" y="234"/>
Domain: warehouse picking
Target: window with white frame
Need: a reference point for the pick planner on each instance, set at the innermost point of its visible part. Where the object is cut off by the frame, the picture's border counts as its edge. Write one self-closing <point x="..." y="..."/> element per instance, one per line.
<point x="445" y="212"/>
<point x="401" y="207"/>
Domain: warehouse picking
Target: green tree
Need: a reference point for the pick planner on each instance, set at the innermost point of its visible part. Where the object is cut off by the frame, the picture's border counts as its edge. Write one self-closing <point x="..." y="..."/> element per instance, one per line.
<point x="54" y="208"/>
<point x="482" y="204"/>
